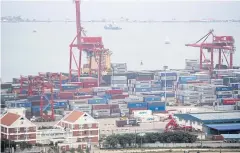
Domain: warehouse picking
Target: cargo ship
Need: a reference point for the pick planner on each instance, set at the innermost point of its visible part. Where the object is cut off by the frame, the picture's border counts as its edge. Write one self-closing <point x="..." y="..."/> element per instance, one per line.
<point x="112" y="26"/>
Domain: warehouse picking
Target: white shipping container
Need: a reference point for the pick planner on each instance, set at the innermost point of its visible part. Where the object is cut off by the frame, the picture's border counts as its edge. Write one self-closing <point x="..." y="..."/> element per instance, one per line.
<point x="78" y="101"/>
<point x="143" y="86"/>
<point x="82" y="106"/>
<point x="134" y="99"/>
<point x="149" y="118"/>
<point x="119" y="85"/>
<point x="124" y="110"/>
<point x="116" y="101"/>
<point x="106" y="111"/>
<point x="118" y="78"/>
<point x="101" y="89"/>
<point x="122" y="106"/>
<point x="169" y="78"/>
<point x="224" y="92"/>
<point x="208" y="96"/>
<point x="143" y="82"/>
<point x="140" y="113"/>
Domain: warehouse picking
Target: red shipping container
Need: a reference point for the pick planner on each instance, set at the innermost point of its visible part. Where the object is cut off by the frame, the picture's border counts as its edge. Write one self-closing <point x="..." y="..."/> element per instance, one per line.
<point x="114" y="106"/>
<point x="132" y="109"/>
<point x="22" y="96"/>
<point x="103" y="106"/>
<point x="114" y="92"/>
<point x="217" y="137"/>
<point x="37" y="103"/>
<point x="230" y="101"/>
<point x="66" y="95"/>
<point x="89" y="84"/>
<point x="83" y="97"/>
<point x="85" y="90"/>
<point x="120" y="96"/>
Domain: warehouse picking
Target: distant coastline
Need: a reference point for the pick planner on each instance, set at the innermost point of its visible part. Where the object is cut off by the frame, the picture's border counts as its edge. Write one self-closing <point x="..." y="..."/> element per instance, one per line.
<point x="17" y="19"/>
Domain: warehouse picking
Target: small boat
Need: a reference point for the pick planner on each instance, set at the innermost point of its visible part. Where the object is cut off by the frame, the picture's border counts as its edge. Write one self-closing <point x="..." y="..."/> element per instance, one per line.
<point x="167" y="41"/>
<point x="34" y="31"/>
<point x="112" y="27"/>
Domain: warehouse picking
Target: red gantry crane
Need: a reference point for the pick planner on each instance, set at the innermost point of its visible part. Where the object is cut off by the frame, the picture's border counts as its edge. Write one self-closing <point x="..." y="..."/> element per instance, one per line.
<point x="220" y="44"/>
<point x="38" y="85"/>
<point x="93" y="46"/>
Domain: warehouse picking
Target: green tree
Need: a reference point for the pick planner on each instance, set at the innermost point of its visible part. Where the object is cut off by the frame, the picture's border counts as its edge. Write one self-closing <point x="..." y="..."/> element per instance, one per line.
<point x="72" y="150"/>
<point x="79" y="150"/>
<point x="87" y="150"/>
<point x="112" y="141"/>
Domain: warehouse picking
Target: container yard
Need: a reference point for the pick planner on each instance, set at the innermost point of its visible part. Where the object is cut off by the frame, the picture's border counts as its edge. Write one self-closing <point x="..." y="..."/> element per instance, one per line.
<point x="107" y="98"/>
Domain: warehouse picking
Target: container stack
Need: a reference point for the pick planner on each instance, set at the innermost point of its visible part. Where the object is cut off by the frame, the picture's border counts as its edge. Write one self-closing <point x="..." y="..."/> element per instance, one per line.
<point x="25" y="103"/>
<point x="119" y="82"/>
<point x="115" y="94"/>
<point x="203" y="77"/>
<point x="168" y="78"/>
<point x="216" y="81"/>
<point x="119" y="67"/>
<point x="224" y="92"/>
<point x="124" y="110"/>
<point x="236" y="89"/>
<point x="100" y="91"/>
<point x="135" y="103"/>
<point x="188" y="97"/>
<point x="191" y="64"/>
<point x="80" y="104"/>
<point x="154" y="103"/>
<point x="101" y="110"/>
<point x="228" y="80"/>
<point x="136" y="87"/>
<point x="207" y="94"/>
<point x="88" y="82"/>
<point x="114" y="110"/>
<point x="71" y="87"/>
<point x="156" y="85"/>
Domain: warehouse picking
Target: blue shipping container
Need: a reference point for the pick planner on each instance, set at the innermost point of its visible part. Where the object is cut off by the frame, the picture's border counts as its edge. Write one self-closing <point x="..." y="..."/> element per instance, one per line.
<point x="223" y="88"/>
<point x="157" y="108"/>
<point x="169" y="74"/>
<point x="185" y="79"/>
<point x="143" y="89"/>
<point x="156" y="103"/>
<point x="156" y="89"/>
<point x="137" y="105"/>
<point x="61" y="103"/>
<point x="224" y="96"/>
<point x="97" y="101"/>
<point x="235" y="86"/>
<point x="152" y="98"/>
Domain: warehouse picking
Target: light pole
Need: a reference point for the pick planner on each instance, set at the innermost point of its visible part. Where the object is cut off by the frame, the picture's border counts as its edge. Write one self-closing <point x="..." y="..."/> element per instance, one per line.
<point x="112" y="75"/>
<point x="165" y="89"/>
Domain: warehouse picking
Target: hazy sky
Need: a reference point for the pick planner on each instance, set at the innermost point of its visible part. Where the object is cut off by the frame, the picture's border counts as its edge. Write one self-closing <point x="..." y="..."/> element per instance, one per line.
<point x="95" y="9"/>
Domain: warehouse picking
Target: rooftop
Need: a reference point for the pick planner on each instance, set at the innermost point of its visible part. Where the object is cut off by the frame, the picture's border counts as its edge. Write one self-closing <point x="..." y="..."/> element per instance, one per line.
<point x="224" y="127"/>
<point x="73" y="116"/>
<point x="9" y="118"/>
<point x="212" y="117"/>
<point x="231" y="136"/>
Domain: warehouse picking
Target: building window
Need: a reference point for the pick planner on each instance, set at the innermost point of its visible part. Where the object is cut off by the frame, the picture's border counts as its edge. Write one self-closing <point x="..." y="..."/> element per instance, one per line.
<point x="85" y="132"/>
<point x="80" y="126"/>
<point x="89" y="125"/>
